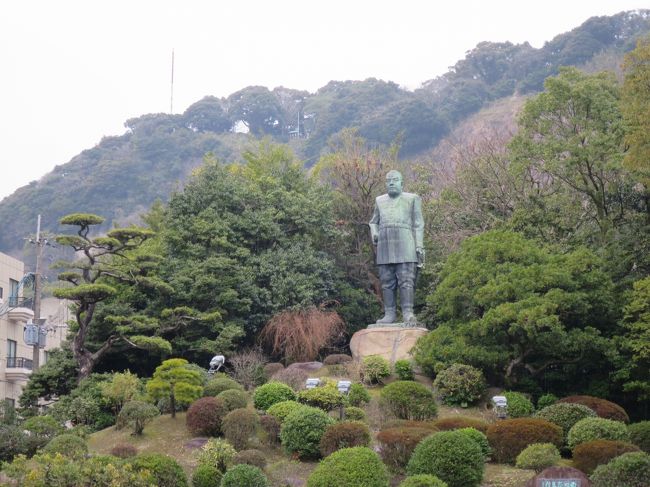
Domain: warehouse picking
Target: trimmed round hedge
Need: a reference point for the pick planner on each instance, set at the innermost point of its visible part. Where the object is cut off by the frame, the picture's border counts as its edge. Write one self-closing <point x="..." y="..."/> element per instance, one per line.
<point x="565" y="415"/>
<point x="519" y="406"/>
<point x="345" y="434"/>
<point x="629" y="469"/>
<point x="397" y="445"/>
<point x="302" y="431"/>
<point x="460" y="384"/>
<point x="508" y="438"/>
<point x="546" y="400"/>
<point x="280" y="410"/>
<point x="602" y="407"/>
<point x="244" y="475"/>
<point x="205" y="415"/>
<point x="239" y="425"/>
<point x="350" y="467"/>
<point x="250" y="457"/>
<point x="587" y="456"/>
<point x="206" y="476"/>
<point x="590" y="429"/>
<point x="233" y="399"/>
<point x="326" y="397"/>
<point x="423" y="480"/>
<point x="408" y="400"/>
<point x="353" y="413"/>
<point x="640" y="435"/>
<point x="450" y="455"/>
<point x="538" y="456"/>
<point x="358" y="395"/>
<point x="480" y="439"/>
<point x="68" y="445"/>
<point x="220" y="384"/>
<point x="166" y="470"/>
<point x="457" y="422"/>
<point x="272" y="393"/>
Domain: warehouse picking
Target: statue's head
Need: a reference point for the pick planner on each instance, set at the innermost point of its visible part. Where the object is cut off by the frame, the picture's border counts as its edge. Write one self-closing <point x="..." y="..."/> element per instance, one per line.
<point x="394" y="183"/>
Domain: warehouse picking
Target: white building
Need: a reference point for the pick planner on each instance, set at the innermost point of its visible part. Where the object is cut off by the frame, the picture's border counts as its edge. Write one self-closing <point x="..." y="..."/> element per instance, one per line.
<point x="15" y="311"/>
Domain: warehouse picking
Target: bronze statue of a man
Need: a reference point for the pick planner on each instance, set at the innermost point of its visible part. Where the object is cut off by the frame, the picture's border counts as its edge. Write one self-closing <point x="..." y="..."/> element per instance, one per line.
<point x="397" y="229"/>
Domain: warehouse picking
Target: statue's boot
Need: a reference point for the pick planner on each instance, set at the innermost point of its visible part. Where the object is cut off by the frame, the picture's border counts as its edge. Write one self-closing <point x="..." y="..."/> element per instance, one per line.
<point x="390" y="307"/>
<point x="407" y="298"/>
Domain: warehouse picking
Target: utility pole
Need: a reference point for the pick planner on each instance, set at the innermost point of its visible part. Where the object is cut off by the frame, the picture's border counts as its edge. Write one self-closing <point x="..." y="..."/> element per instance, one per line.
<point x="36" y="352"/>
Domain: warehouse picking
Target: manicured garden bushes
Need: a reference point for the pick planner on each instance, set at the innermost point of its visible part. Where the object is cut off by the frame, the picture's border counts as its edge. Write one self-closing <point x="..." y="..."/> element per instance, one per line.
<point x="124" y="450"/>
<point x="233" y="399"/>
<point x="590" y="429"/>
<point x="218" y="453"/>
<point x="629" y="470"/>
<point x="565" y="415"/>
<point x="205" y="415"/>
<point x="510" y="437"/>
<point x="271" y="427"/>
<point x="239" y="426"/>
<point x="519" y="406"/>
<point x="337" y="359"/>
<point x="640" y="435"/>
<point x="546" y="400"/>
<point x="250" y="457"/>
<point x="350" y="467"/>
<point x="166" y="470"/>
<point x="325" y="397"/>
<point x="355" y="414"/>
<point x="136" y="414"/>
<point x="423" y="480"/>
<point x="403" y="369"/>
<point x="67" y="445"/>
<point x="374" y="369"/>
<point x="450" y="455"/>
<point x="345" y="434"/>
<point x="302" y="431"/>
<point x="538" y="456"/>
<point x="588" y="455"/>
<point x="602" y="407"/>
<point x="457" y="422"/>
<point x="220" y="384"/>
<point x="397" y="445"/>
<point x="244" y="475"/>
<point x="460" y="384"/>
<point x="480" y="439"/>
<point x="358" y="395"/>
<point x="408" y="400"/>
<point x="271" y="393"/>
<point x="280" y="410"/>
<point x="206" y="476"/>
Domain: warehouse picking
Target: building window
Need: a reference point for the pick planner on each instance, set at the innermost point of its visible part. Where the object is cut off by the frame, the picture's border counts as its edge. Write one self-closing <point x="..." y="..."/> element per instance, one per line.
<point x="11" y="350"/>
<point x="0" y="292"/>
<point x="13" y="292"/>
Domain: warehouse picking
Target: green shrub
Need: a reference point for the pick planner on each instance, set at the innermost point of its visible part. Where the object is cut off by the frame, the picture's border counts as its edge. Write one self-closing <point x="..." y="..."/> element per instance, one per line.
<point x="124" y="450"/>
<point x="519" y="406"/>
<point x="480" y="439"/>
<point x="403" y="369"/>
<point x="206" y="476"/>
<point x="233" y="399"/>
<point x="41" y="430"/>
<point x="450" y="455"/>
<point x="302" y="431"/>
<point x="588" y="455"/>
<point x="250" y="457"/>
<point x="217" y="453"/>
<point x="423" y="480"/>
<point x="326" y="397"/>
<point x="397" y="445"/>
<point x="358" y="395"/>
<point x="271" y="393"/>
<point x="510" y="437"/>
<point x="244" y="475"/>
<point x="13" y="441"/>
<point x="345" y="434"/>
<point x="271" y="427"/>
<point x="136" y="414"/>
<point x="629" y="470"/>
<point x="546" y="400"/>
<point x="590" y="429"/>
<point x="374" y="368"/>
<point x="67" y="445"/>
<point x="459" y="384"/>
<point x="640" y="435"/>
<point x="205" y="415"/>
<point x="457" y="422"/>
<point x="280" y="410"/>
<point x="350" y="467"/>
<point x="239" y="425"/>
<point x="166" y="470"/>
<point x="220" y="384"/>
<point x="565" y="415"/>
<point x="538" y="456"/>
<point x="602" y="407"/>
<point x="355" y="414"/>
<point x="408" y="400"/>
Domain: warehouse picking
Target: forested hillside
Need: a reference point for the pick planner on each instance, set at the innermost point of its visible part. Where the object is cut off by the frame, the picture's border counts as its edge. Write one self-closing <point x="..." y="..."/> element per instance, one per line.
<point x="123" y="175"/>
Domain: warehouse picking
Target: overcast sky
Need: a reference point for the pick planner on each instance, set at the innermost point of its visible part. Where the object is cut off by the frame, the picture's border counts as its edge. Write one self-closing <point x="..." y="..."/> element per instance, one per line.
<point x="74" y="71"/>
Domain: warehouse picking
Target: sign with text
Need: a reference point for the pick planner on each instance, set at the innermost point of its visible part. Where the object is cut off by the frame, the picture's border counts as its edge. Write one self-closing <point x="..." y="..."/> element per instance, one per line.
<point x="558" y="483"/>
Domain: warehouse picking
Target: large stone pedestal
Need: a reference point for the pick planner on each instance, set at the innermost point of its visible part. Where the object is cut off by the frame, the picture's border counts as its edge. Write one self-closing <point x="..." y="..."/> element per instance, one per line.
<point x="391" y="342"/>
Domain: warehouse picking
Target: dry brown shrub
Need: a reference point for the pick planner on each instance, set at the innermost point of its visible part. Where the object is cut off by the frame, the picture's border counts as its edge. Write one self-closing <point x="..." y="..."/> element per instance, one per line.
<point x="299" y="335"/>
<point x="248" y="367"/>
<point x="294" y="378"/>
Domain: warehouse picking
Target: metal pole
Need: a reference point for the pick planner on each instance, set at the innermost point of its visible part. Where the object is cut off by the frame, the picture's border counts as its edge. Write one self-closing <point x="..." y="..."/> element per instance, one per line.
<point x="37" y="296"/>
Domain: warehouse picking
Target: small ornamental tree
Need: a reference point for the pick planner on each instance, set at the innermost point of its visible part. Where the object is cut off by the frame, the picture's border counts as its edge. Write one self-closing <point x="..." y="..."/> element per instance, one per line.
<point x="460" y="384"/>
<point x="137" y="414"/>
<point x="104" y="265"/>
<point x="174" y="380"/>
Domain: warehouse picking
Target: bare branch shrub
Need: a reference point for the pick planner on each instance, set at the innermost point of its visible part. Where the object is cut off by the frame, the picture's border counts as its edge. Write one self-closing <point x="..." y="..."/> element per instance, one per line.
<point x="248" y="367"/>
<point x="298" y="335"/>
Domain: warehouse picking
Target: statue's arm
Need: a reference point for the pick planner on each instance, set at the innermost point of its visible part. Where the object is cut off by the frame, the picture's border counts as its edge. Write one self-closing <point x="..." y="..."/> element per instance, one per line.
<point x="418" y="223"/>
<point x="374" y="225"/>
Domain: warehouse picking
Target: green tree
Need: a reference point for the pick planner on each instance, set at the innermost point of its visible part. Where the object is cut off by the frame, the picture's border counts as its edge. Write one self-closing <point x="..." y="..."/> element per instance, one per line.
<point x="105" y="261"/>
<point x="514" y="309"/>
<point x="173" y="379"/>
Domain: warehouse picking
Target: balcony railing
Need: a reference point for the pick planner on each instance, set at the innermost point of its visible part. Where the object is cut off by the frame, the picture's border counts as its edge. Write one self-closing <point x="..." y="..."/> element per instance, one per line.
<point x="19" y="363"/>
<point x="16" y="302"/>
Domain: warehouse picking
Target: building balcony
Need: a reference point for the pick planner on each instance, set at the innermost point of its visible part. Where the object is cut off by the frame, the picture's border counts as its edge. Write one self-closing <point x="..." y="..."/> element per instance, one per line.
<point x="18" y="368"/>
<point x="20" y="309"/>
